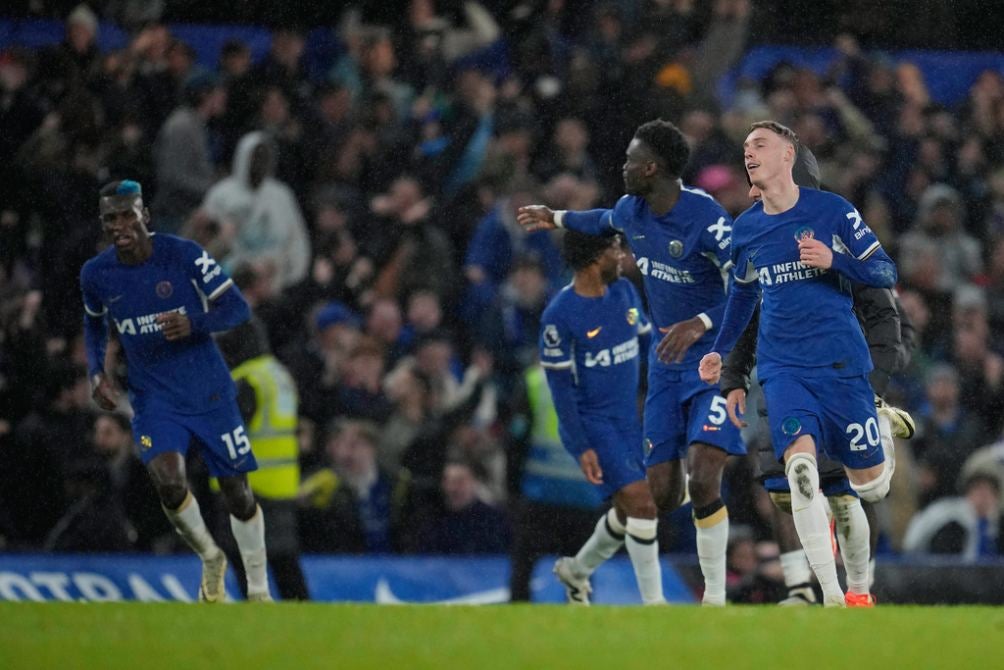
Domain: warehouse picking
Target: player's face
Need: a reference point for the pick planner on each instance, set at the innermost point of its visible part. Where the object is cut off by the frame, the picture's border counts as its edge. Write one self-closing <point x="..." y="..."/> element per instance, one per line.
<point x="610" y="262"/>
<point x="123" y="222"/>
<point x="638" y="169"/>
<point x="767" y="156"/>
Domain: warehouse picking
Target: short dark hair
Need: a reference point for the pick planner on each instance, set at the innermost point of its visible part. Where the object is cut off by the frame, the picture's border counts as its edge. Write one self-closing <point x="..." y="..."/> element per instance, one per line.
<point x="580" y="250"/>
<point x="784" y="131"/>
<point x="667" y="143"/>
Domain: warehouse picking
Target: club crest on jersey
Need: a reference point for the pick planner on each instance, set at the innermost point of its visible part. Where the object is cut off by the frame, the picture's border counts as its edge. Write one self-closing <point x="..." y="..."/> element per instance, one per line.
<point x="551" y="337"/>
<point x="164" y="289"/>
<point x="791" y="426"/>
<point x="632" y="316"/>
<point x="804" y="233"/>
<point x="675" y="248"/>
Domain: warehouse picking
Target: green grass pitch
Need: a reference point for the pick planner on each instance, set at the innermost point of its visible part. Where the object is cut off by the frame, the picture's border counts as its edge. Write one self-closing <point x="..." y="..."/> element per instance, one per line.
<point x="339" y="636"/>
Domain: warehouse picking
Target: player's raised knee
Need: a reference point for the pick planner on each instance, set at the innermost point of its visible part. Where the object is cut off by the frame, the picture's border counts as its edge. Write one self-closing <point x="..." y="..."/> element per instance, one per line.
<point x="875" y="489"/>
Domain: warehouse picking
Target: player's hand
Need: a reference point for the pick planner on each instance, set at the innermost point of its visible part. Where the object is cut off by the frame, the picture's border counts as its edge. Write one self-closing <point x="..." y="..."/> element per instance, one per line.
<point x="174" y="325"/>
<point x="815" y="254"/>
<point x="736" y="399"/>
<point x="590" y="464"/>
<point x="535" y="217"/>
<point x="103" y="392"/>
<point x="711" y="367"/>
<point x="678" y="339"/>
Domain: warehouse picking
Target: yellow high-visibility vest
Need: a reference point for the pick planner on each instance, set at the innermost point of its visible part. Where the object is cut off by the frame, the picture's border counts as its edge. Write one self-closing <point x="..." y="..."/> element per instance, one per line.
<point x="272" y="429"/>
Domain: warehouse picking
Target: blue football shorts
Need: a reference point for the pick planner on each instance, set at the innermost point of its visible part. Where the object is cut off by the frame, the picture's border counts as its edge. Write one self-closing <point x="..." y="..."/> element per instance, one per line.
<point x="680" y="409"/>
<point x="219" y="434"/>
<point x="619" y="448"/>
<point x="839" y="413"/>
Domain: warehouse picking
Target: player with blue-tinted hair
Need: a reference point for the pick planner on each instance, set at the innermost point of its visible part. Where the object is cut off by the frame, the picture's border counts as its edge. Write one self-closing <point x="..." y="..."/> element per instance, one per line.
<point x="680" y="239"/>
<point x="590" y="351"/>
<point x="166" y="296"/>
<point x="797" y="252"/>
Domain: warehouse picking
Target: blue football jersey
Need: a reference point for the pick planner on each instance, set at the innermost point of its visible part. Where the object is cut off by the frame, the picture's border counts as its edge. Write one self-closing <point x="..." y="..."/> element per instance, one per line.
<point x="807" y="320"/>
<point x="187" y="376"/>
<point x="684" y="259"/>
<point x="597" y="339"/>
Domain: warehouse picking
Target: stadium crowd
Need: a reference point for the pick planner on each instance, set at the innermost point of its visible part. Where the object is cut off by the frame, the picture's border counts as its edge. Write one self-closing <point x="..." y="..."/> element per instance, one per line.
<point x="368" y="215"/>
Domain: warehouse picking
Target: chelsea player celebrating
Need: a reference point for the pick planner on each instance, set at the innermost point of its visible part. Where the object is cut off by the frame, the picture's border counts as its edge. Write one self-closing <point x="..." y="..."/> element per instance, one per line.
<point x="802" y="248"/>
<point x="166" y="296"/>
<point x="680" y="239"/>
<point x="589" y="349"/>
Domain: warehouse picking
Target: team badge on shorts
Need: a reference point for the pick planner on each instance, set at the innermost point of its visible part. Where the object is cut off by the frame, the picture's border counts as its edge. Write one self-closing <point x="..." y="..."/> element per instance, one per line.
<point x="632" y="316"/>
<point x="164" y="289"/>
<point x="145" y="442"/>
<point x="804" y="233"/>
<point x="675" y="248"/>
<point x="791" y="426"/>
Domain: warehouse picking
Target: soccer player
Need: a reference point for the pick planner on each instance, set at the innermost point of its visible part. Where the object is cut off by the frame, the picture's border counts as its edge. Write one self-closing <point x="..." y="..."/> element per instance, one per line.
<point x="890" y="342"/>
<point x="589" y="349"/>
<point x="801" y="248"/>
<point x="166" y="296"/>
<point x="680" y="239"/>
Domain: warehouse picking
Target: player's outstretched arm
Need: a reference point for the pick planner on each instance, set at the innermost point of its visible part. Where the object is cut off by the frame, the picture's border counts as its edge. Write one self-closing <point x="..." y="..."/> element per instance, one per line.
<point x="103" y="390"/>
<point x="590" y="222"/>
<point x="876" y="270"/>
<point x="738" y="365"/>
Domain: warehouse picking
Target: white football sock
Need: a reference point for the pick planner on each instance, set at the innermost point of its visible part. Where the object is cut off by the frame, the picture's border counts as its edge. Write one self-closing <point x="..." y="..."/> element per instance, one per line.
<point x="250" y="536"/>
<point x="606" y="540"/>
<point x="712" y="542"/>
<point x="808" y="508"/>
<point x="643" y="548"/>
<point x="795" y="567"/>
<point x="854" y="538"/>
<point x="188" y="521"/>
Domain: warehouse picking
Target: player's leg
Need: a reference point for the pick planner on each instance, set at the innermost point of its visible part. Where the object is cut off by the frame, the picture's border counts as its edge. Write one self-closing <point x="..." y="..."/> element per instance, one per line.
<point x="794" y="564"/>
<point x="668" y="483"/>
<point x="247" y="521"/>
<point x="636" y="506"/>
<point x="874" y="531"/>
<point x="228" y="457"/>
<point x="808" y="510"/>
<point x="711" y="517"/>
<point x="853" y="536"/>
<point x="167" y="470"/>
<point x="574" y="571"/>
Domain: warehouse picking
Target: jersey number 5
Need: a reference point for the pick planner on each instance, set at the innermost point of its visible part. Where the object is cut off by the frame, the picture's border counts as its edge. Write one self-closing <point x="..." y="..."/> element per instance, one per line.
<point x="237" y="442"/>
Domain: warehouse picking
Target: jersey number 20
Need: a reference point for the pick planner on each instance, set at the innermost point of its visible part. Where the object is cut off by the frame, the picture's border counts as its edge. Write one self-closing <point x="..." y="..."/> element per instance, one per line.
<point x="237" y="442"/>
<point x="870" y="431"/>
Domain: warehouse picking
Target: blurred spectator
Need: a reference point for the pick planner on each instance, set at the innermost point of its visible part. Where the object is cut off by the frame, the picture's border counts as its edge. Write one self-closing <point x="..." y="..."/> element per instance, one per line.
<point x="966" y="526"/>
<point x="939" y="225"/>
<point x="270" y="230"/>
<point x="466" y="525"/>
<point x="149" y="529"/>
<point x="184" y="164"/>
<point x="947" y="433"/>
<point x="354" y="506"/>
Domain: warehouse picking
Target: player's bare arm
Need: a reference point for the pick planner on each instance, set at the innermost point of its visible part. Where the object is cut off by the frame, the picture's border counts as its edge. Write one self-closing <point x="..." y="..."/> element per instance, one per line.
<point x="735" y="406"/>
<point x="815" y="254"/>
<point x="104" y="392"/>
<point x="678" y="339"/>
<point x="711" y="367"/>
<point x="536" y="217"/>
<point x="590" y="464"/>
